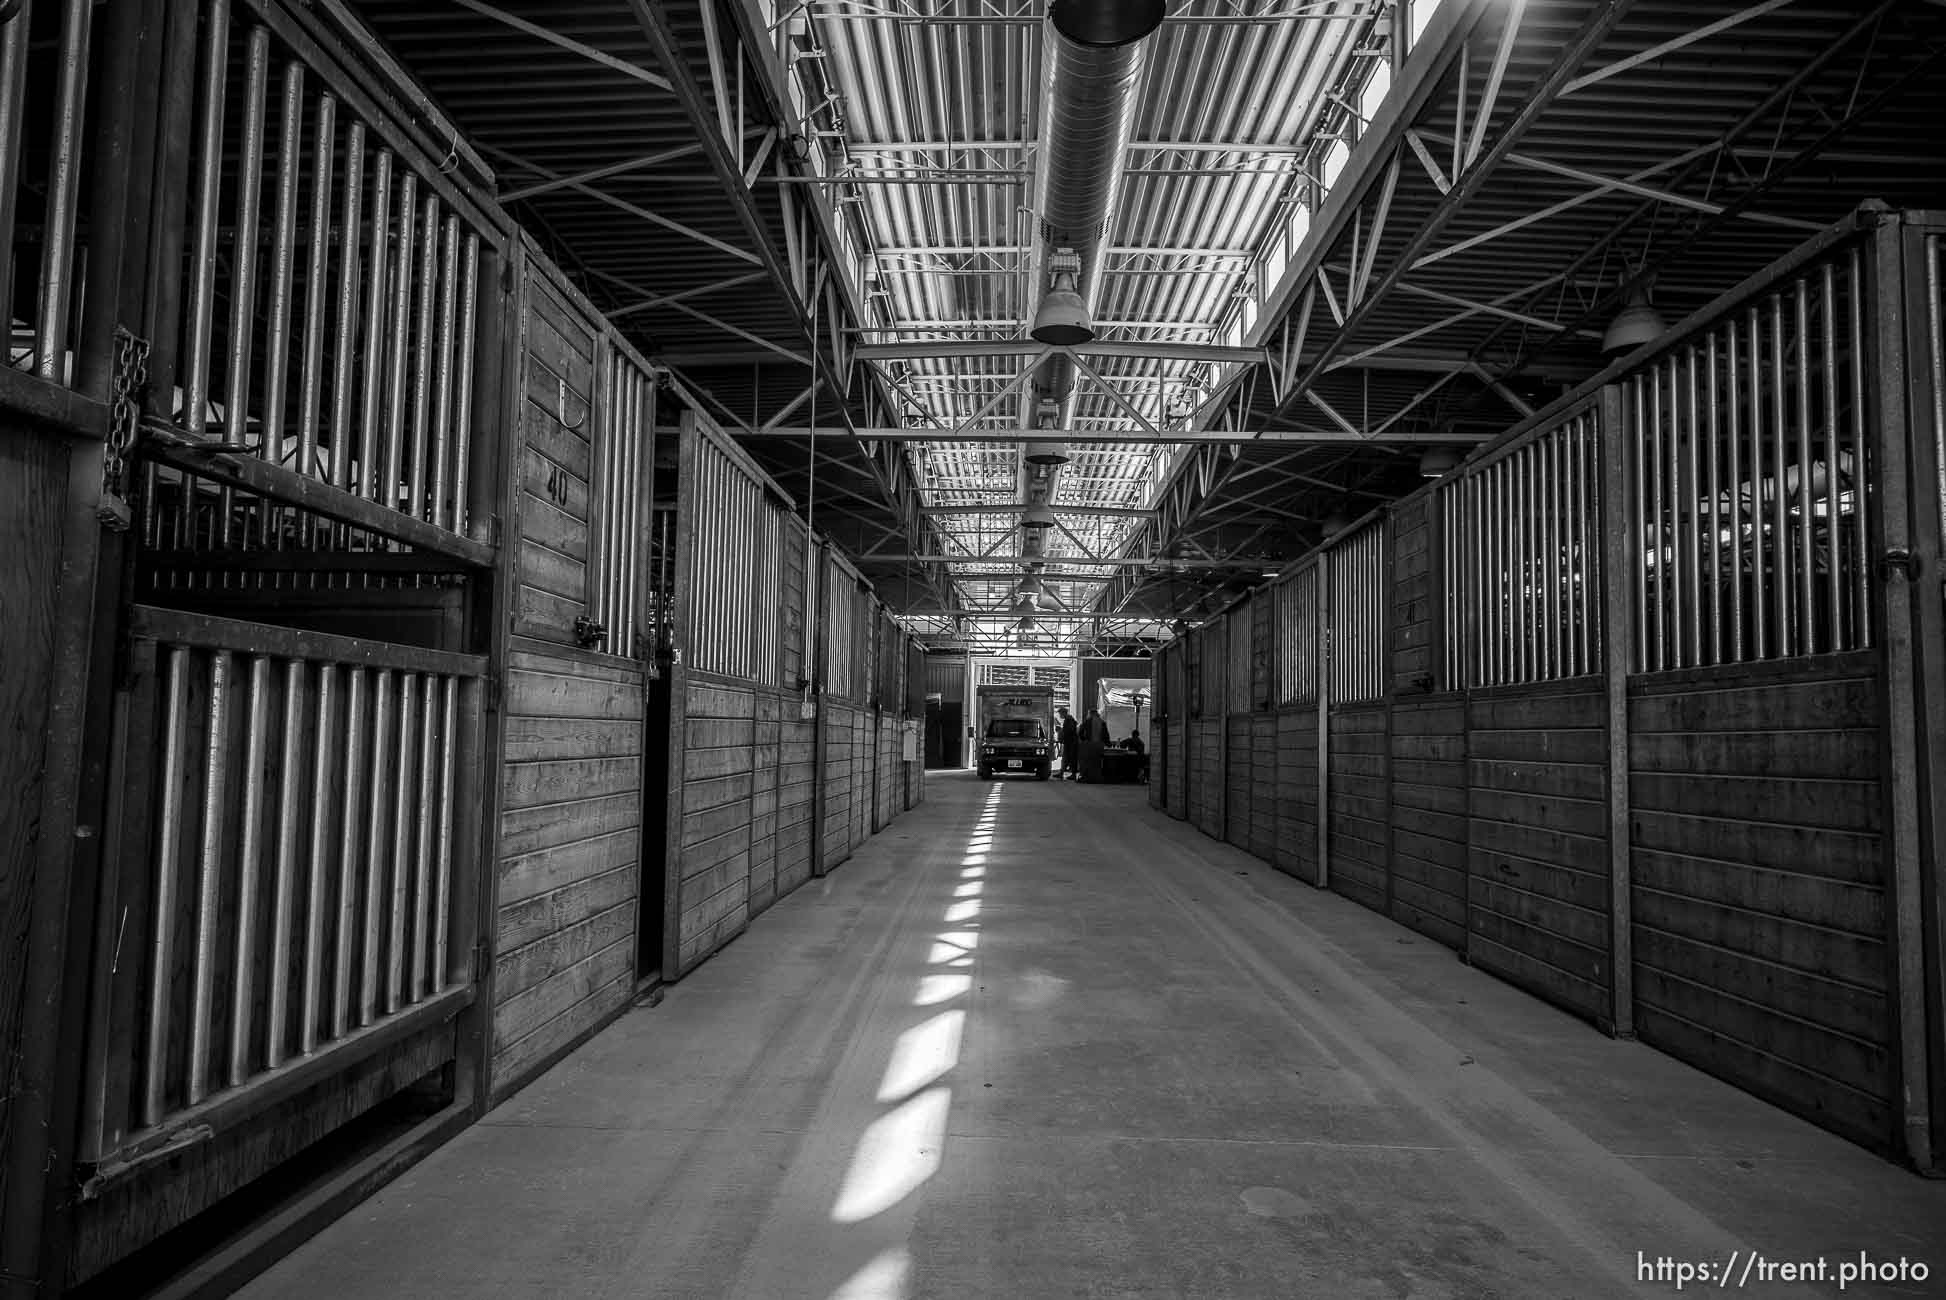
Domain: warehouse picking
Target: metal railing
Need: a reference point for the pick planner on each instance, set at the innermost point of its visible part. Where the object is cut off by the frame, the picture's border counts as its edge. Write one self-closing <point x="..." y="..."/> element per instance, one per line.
<point x="1357" y="625"/>
<point x="624" y="461"/>
<point x="334" y="331"/>
<point x="45" y="339"/>
<point x="1749" y="472"/>
<point x="1523" y="543"/>
<point x="1236" y="635"/>
<point x="291" y="883"/>
<point x="1296" y="640"/>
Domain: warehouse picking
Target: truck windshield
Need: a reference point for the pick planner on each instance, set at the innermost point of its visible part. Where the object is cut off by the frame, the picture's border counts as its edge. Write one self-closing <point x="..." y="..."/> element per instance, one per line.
<point x="1014" y="729"/>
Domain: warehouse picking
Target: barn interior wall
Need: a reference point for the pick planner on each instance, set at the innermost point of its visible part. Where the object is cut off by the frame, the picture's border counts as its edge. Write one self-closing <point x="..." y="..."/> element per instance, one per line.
<point x="1700" y="852"/>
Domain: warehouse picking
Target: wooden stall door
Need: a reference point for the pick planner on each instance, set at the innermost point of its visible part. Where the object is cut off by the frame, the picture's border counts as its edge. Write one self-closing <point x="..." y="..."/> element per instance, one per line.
<point x="566" y="948"/>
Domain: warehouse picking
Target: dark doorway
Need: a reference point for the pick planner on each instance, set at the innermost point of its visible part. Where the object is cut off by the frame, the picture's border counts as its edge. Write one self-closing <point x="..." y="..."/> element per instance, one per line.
<point x="652" y="905"/>
<point x="943" y="726"/>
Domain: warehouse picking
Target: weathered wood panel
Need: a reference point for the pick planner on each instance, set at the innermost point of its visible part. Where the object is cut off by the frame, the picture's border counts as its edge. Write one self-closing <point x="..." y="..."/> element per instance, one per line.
<point x="1238" y="787"/>
<point x="719" y="835"/>
<point x="1262" y="839"/>
<point x="840" y="730"/>
<point x="33" y="496"/>
<point x="553" y="465"/>
<point x="1411" y="597"/>
<point x="1536" y="830"/>
<point x="1205" y="775"/>
<point x="1429" y="834"/>
<point x="1356" y="829"/>
<point x="1759" y="923"/>
<point x="1297" y="792"/>
<point x="569" y="870"/>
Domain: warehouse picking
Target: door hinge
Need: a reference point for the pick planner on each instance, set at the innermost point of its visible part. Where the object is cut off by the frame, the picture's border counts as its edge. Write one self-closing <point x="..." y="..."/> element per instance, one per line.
<point x="481" y="962"/>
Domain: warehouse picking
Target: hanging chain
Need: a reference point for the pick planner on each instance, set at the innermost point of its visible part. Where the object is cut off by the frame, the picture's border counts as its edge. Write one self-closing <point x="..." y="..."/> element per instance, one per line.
<point x="130" y="380"/>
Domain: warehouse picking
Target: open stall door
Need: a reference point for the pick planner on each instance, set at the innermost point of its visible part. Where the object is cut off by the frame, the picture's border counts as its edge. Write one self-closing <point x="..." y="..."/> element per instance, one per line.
<point x="566" y="952"/>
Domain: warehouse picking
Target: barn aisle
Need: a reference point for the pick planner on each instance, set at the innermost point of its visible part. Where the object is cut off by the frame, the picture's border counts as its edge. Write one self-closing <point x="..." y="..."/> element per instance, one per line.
<point x="1039" y="1040"/>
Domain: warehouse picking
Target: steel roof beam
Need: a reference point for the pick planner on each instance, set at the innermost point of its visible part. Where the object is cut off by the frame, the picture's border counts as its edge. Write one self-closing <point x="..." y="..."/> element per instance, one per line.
<point x="1171" y="438"/>
<point x="1196" y="352"/>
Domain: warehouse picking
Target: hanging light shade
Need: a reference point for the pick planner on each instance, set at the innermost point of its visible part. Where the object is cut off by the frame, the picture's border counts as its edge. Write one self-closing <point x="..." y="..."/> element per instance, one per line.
<point x="1037" y="515"/>
<point x="1635" y="324"/>
<point x="1030" y="585"/>
<point x="1437" y="462"/>
<point x="1047" y="453"/>
<point x="1062" y="319"/>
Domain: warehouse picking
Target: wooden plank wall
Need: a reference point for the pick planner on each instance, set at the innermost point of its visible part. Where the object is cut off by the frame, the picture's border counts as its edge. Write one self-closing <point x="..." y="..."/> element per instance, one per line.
<point x="1297" y="792"/>
<point x="767" y="739"/>
<point x="570" y="844"/>
<point x="555" y="464"/>
<point x="1758" y="895"/>
<point x="1537" y="821"/>
<point x="1357" y="813"/>
<point x="796" y="792"/>
<point x="719" y="776"/>
<point x="1205" y="774"/>
<point x="1428" y="776"/>
<point x="840" y="729"/>
<point x="1262" y="839"/>
<point x="1237" y="782"/>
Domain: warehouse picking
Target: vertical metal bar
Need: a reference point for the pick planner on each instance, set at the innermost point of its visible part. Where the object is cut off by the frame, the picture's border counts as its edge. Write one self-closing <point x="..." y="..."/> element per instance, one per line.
<point x="317" y="292"/>
<point x="1834" y="619"/>
<point x="1528" y="463"/>
<point x="209" y="878"/>
<point x="1781" y="584"/>
<point x="1733" y="448"/>
<point x="13" y="89"/>
<point x="371" y="437"/>
<point x="1806" y="560"/>
<point x="243" y="256"/>
<point x="1759" y="557"/>
<point x="168" y="867"/>
<point x="283" y="242"/>
<point x="350" y="866"/>
<point x="601" y="496"/>
<point x="1551" y="568"/>
<point x="463" y="414"/>
<point x="317" y="897"/>
<point x="202" y="265"/>
<point x="397" y="380"/>
<point x="443" y="876"/>
<point x="1636" y="449"/>
<point x="290" y="816"/>
<point x="60" y="261"/>
<point x="404" y="786"/>
<point x="1861" y="457"/>
<point x="1658" y="525"/>
<point x="422" y="360"/>
<point x="344" y="369"/>
<point x="422" y="849"/>
<point x="377" y="840"/>
<point x="249" y="868"/>
<point x="1692" y="566"/>
<point x="1714" y="526"/>
<point x="440" y="477"/>
<point x="1681" y="570"/>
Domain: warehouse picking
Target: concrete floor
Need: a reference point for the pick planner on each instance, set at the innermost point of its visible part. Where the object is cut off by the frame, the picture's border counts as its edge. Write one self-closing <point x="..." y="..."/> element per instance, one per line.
<point x="1038" y="1040"/>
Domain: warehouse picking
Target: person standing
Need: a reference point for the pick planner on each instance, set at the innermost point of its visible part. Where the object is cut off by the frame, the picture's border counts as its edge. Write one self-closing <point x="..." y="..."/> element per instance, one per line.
<point x="1094" y="738"/>
<point x="1070" y="735"/>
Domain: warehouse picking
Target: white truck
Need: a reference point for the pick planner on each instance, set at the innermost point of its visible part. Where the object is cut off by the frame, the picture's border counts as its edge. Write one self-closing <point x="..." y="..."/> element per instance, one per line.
<point x="1014" y="731"/>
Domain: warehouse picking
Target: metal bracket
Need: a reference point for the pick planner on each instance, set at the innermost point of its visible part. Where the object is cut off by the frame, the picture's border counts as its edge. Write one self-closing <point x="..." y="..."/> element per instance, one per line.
<point x="1898" y="557"/>
<point x="588" y="633"/>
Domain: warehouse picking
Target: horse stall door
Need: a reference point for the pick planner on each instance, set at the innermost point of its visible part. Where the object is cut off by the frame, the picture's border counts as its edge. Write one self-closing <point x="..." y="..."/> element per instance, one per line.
<point x="566" y="950"/>
<point x="283" y="987"/>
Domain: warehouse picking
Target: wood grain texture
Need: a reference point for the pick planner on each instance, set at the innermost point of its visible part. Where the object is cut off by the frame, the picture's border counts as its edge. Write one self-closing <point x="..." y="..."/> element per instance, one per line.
<point x="1760" y="927"/>
<point x="1537" y="841"/>
<point x="33" y="495"/>
<point x="570" y="853"/>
